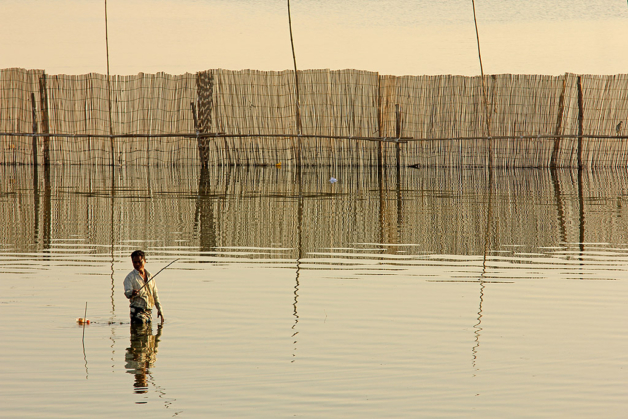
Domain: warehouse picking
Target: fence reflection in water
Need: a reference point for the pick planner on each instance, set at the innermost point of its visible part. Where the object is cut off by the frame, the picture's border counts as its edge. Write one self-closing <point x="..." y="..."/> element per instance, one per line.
<point x="443" y="211"/>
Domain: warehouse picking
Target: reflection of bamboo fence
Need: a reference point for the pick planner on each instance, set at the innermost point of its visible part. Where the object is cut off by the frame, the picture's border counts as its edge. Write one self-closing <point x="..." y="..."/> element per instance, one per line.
<point x="437" y="211"/>
<point x="247" y="118"/>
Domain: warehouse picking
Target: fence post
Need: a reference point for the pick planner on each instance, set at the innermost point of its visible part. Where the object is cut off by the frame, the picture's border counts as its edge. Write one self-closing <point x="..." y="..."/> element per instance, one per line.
<point x="34" y="131"/>
<point x="380" y="156"/>
<point x="580" y="121"/>
<point x="398" y="134"/>
<point x="203" y="153"/>
<point x="35" y="168"/>
<point x="296" y="83"/>
<point x="113" y="158"/>
<point x="195" y="117"/>
<point x="45" y="124"/>
<point x="559" y="124"/>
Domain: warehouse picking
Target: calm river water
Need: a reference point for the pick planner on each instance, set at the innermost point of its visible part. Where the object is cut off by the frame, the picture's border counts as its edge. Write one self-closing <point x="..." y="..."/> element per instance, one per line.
<point x="419" y="293"/>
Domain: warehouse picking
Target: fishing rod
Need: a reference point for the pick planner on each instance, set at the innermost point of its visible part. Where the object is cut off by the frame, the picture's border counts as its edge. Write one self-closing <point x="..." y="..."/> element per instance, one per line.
<point x="151" y="278"/>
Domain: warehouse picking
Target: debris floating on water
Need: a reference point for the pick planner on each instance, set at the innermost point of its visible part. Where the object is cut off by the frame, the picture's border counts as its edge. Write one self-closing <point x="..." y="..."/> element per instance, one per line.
<point x="333" y="180"/>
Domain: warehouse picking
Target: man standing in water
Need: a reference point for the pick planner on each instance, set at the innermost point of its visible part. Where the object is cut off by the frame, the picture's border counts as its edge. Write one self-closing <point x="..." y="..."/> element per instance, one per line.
<point x="142" y="293"/>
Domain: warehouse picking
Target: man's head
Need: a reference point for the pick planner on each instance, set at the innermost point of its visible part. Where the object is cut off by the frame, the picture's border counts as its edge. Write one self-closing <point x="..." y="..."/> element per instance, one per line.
<point x="139" y="258"/>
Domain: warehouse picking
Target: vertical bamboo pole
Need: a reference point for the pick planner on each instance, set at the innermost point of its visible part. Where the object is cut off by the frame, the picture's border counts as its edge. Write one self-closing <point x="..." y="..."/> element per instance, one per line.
<point x="399" y="207"/>
<point x="35" y="168"/>
<point x="380" y="145"/>
<point x="296" y="81"/>
<point x="399" y="199"/>
<point x="559" y="122"/>
<point x="45" y="121"/>
<point x="109" y="88"/>
<point x="485" y="93"/>
<point x="380" y="149"/>
<point x="581" y="210"/>
<point x="580" y="121"/>
<point x="382" y="214"/>
<point x="398" y="134"/>
<point x="34" y="114"/>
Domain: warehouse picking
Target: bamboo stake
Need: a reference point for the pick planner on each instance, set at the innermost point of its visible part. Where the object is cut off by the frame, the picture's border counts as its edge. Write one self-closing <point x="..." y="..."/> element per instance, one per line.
<point x="34" y="119"/>
<point x="43" y="97"/>
<point x="559" y="122"/>
<point x="580" y="121"/>
<point x="109" y="88"/>
<point x="296" y="81"/>
<point x="84" y="323"/>
<point x="484" y="91"/>
<point x="398" y="135"/>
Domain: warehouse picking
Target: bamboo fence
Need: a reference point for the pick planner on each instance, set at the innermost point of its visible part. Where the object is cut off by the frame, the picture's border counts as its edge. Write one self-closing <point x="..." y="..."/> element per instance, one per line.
<point x="348" y="118"/>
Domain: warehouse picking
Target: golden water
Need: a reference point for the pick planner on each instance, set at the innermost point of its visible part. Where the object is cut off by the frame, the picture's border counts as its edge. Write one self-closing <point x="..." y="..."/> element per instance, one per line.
<point x="407" y="294"/>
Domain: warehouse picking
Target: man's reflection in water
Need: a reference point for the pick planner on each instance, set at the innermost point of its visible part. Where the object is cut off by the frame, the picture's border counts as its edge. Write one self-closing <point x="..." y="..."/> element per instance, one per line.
<point x="141" y="355"/>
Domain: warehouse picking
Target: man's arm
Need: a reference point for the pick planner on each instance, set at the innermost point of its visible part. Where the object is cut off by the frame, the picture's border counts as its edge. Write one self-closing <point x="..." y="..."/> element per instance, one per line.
<point x="157" y="302"/>
<point x="129" y="292"/>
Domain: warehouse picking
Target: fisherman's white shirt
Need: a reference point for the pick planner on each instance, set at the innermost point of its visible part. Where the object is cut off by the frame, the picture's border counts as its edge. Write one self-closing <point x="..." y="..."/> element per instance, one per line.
<point x="148" y="296"/>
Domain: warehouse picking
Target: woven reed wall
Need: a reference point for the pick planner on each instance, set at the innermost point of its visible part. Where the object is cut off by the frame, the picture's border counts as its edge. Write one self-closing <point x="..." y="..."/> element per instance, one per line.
<point x="141" y="104"/>
<point x="16" y="86"/>
<point x="333" y="103"/>
<point x="437" y="113"/>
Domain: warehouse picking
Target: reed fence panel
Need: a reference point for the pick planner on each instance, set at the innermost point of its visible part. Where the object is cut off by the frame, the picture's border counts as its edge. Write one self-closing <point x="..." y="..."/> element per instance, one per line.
<point x="16" y="87"/>
<point x="605" y="103"/>
<point x="254" y="103"/>
<point x="343" y="104"/>
<point x="250" y="118"/>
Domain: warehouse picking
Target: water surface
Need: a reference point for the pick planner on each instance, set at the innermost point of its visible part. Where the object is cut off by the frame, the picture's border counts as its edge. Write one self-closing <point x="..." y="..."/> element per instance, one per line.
<point x="418" y="293"/>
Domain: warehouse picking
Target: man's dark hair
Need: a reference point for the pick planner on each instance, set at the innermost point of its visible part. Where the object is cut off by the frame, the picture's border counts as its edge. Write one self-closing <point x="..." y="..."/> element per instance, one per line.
<point x="138" y="253"/>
